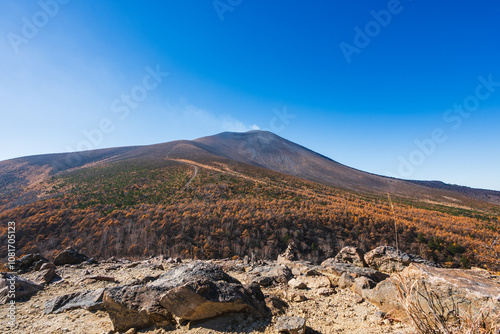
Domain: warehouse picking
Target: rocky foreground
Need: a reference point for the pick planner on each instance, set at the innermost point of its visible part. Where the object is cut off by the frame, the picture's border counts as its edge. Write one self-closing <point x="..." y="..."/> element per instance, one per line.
<point x="351" y="293"/>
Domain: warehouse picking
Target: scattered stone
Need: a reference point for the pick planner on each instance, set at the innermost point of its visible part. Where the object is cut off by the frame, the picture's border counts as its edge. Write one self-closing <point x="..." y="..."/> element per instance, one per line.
<point x="23" y="287"/>
<point x="47" y="265"/>
<point x="291" y="325"/>
<point x="298" y="297"/>
<point x="29" y="262"/>
<point x="131" y="331"/>
<point x="45" y="276"/>
<point x="278" y="273"/>
<point x="277" y="305"/>
<point x="262" y="280"/>
<point x="362" y="283"/>
<point x="351" y="255"/>
<point x="358" y="299"/>
<point x="325" y="292"/>
<point x="70" y="256"/>
<point x="338" y="269"/>
<point x="296" y="284"/>
<point x="290" y="254"/>
<point x="102" y="278"/>
<point x="89" y="300"/>
<point x="389" y="260"/>
<point x="312" y="272"/>
<point x="346" y="281"/>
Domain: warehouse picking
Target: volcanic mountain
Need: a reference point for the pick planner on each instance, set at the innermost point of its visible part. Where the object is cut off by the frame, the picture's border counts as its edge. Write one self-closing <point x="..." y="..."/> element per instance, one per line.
<point x="257" y="148"/>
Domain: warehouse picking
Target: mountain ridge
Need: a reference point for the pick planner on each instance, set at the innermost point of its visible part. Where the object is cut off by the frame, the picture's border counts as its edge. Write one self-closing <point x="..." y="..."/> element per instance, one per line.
<point x="257" y="148"/>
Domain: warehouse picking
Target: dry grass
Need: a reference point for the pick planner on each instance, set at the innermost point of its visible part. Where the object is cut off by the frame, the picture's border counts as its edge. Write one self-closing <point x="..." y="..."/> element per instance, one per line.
<point x="432" y="315"/>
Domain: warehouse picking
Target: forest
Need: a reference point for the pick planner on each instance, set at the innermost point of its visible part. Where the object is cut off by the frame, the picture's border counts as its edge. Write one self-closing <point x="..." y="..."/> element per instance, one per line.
<point x="144" y="208"/>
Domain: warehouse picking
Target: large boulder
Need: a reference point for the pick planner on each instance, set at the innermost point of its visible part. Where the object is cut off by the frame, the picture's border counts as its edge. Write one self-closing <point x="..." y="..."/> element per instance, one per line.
<point x="466" y="289"/>
<point x="17" y="286"/>
<point x="135" y="306"/>
<point x="70" y="256"/>
<point x="352" y="255"/>
<point x="336" y="268"/>
<point x="389" y="260"/>
<point x="89" y="300"/>
<point x="195" y="291"/>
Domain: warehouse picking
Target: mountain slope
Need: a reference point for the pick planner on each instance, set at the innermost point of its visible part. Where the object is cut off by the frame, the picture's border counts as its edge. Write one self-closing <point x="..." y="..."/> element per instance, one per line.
<point x="257" y="148"/>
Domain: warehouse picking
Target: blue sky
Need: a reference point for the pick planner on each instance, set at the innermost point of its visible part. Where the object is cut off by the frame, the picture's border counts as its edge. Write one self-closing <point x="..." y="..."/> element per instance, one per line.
<point x="408" y="89"/>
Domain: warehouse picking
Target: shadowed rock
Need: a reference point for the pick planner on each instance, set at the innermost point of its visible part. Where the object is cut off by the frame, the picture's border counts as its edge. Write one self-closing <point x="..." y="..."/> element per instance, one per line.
<point x="195" y="291"/>
<point x="338" y="269"/>
<point x="89" y="300"/>
<point x="351" y="255"/>
<point x="70" y="256"/>
<point x="22" y="287"/>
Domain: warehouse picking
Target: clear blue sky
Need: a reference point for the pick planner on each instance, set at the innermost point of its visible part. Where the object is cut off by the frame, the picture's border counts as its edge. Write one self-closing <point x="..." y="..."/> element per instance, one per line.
<point x="363" y="99"/>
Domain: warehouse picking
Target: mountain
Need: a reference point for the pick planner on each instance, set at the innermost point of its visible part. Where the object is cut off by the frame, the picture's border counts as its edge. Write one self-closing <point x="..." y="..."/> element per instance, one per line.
<point x="235" y="194"/>
<point x="257" y="148"/>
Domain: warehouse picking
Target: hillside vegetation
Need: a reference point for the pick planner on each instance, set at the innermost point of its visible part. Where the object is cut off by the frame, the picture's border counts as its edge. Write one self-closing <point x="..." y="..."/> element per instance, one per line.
<point x="142" y="207"/>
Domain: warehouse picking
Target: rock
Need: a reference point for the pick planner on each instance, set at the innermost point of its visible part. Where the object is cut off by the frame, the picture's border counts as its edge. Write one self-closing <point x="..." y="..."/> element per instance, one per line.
<point x="358" y="299"/>
<point x="131" y="331"/>
<point x="262" y="280"/>
<point x="466" y="289"/>
<point x="291" y="325"/>
<point x="351" y="255"/>
<point x="193" y="291"/>
<point x="312" y="272"/>
<point x="47" y="265"/>
<point x="102" y="278"/>
<point x="28" y="262"/>
<point x="276" y="305"/>
<point x="45" y="276"/>
<point x="70" y="256"/>
<point x="324" y="292"/>
<point x="290" y="254"/>
<point x="378" y="316"/>
<point x="38" y="264"/>
<point x="338" y="269"/>
<point x="316" y="282"/>
<point x="23" y="287"/>
<point x="389" y="260"/>
<point x="296" y="284"/>
<point x="135" y="307"/>
<point x="298" y="297"/>
<point x="89" y="300"/>
<point x="345" y="281"/>
<point x="278" y="273"/>
<point x="362" y="283"/>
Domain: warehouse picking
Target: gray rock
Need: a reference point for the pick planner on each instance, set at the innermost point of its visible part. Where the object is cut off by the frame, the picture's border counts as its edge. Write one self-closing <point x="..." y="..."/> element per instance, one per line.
<point x="291" y="325"/>
<point x="351" y="255"/>
<point x="23" y="287"/>
<point x="47" y="265"/>
<point x="389" y="260"/>
<point x="70" y="256"/>
<point x="345" y="281"/>
<point x="278" y="273"/>
<point x="45" y="276"/>
<point x="362" y="283"/>
<point x="29" y="262"/>
<point x="464" y="288"/>
<point x="296" y="284"/>
<point x="339" y="268"/>
<point x="194" y="291"/>
<point x="89" y="300"/>
<point x="262" y="280"/>
<point x="290" y="254"/>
